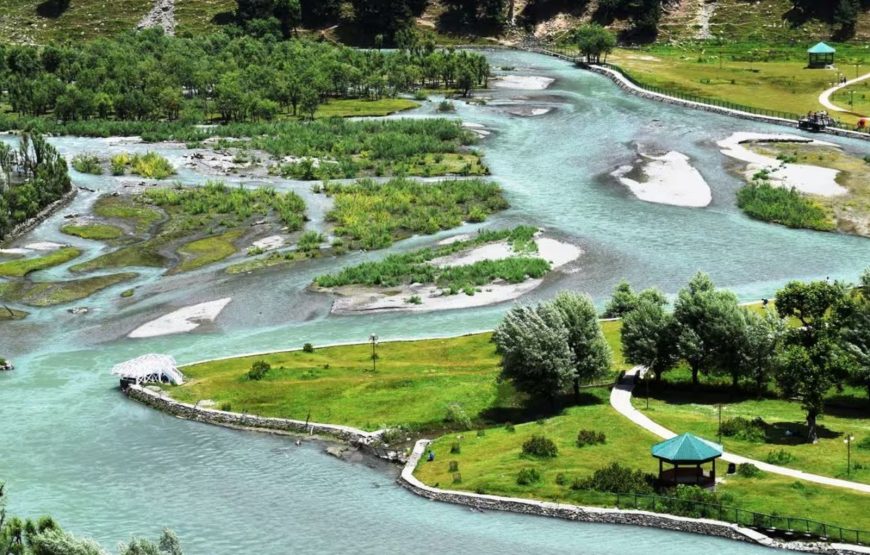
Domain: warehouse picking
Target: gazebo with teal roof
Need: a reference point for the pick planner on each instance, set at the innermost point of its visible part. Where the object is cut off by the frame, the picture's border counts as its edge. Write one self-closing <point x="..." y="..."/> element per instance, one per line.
<point x="821" y="55"/>
<point x="687" y="453"/>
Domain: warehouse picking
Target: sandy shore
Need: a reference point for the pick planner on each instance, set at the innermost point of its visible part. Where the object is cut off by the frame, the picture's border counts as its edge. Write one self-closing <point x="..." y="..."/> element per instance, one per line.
<point x="182" y="320"/>
<point x="523" y="82"/>
<point x="812" y="180"/>
<point x="269" y="243"/>
<point x="667" y="179"/>
<point x="355" y="299"/>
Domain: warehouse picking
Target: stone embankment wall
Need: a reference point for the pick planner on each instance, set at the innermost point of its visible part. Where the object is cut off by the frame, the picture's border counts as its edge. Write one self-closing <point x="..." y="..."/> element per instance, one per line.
<point x="162" y="402"/>
<point x="602" y="515"/>
<point x="43" y="215"/>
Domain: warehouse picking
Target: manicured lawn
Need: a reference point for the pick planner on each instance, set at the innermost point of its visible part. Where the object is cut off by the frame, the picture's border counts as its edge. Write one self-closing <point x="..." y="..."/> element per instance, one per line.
<point x="855" y="98"/>
<point x="209" y="250"/>
<point x="683" y="411"/>
<point x="490" y="463"/>
<point x="355" y="107"/>
<point x="414" y="383"/>
<point x="96" y="232"/>
<point x="22" y="267"/>
<point x="783" y="83"/>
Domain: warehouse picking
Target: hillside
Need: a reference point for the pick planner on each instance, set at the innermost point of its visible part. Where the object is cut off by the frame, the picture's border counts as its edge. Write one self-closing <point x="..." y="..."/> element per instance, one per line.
<point x="764" y="21"/>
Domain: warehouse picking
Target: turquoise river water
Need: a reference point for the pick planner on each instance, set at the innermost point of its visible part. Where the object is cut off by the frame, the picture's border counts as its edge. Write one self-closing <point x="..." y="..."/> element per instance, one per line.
<point x="74" y="447"/>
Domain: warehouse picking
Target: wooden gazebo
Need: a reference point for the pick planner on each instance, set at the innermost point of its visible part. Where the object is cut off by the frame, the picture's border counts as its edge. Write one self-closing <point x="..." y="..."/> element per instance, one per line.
<point x="687" y="453"/>
<point x="821" y="55"/>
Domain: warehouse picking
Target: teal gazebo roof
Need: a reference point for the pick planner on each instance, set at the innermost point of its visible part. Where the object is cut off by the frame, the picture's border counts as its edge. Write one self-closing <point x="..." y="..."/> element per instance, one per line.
<point x="686" y="448"/>
<point x="822" y="48"/>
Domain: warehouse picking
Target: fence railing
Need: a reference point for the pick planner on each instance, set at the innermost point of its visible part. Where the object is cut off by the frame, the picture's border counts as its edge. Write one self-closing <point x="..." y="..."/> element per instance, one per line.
<point x="770" y="524"/>
<point x="574" y="54"/>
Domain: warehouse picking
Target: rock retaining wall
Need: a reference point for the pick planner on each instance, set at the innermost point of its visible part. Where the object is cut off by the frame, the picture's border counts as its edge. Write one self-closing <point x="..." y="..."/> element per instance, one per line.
<point x="603" y="515"/>
<point x="162" y="402"/>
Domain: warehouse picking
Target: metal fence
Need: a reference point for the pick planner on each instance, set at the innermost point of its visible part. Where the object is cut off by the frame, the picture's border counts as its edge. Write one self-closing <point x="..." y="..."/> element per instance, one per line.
<point x="769" y="524"/>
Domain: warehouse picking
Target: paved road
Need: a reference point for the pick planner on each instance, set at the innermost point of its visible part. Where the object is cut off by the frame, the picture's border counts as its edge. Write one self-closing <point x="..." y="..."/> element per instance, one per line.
<point x="825" y="97"/>
<point x="620" y="399"/>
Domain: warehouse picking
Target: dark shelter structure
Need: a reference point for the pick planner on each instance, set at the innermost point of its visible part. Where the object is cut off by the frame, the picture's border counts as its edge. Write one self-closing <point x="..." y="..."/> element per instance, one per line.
<point x="687" y="453"/>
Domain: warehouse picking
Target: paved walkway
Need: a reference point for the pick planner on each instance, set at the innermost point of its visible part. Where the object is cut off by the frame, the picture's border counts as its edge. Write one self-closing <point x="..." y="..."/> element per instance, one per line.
<point x="620" y="399"/>
<point x="825" y="97"/>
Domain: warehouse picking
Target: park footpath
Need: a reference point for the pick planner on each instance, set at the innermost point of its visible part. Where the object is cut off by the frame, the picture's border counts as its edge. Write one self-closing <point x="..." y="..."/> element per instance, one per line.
<point x="825" y="97"/>
<point x="620" y="399"/>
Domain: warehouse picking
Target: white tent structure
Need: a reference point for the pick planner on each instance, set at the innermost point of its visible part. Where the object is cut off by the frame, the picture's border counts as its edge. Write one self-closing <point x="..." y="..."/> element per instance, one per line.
<point x="149" y="369"/>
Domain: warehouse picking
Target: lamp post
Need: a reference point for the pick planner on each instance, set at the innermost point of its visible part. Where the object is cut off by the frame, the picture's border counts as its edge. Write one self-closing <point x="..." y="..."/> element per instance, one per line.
<point x="848" y="441"/>
<point x="720" y="423"/>
<point x="646" y="379"/>
<point x="374" y="339"/>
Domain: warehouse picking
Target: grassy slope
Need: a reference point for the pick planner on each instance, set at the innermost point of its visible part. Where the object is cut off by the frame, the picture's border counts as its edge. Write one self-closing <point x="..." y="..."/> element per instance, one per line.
<point x="21" y="21"/>
<point x="22" y="267"/>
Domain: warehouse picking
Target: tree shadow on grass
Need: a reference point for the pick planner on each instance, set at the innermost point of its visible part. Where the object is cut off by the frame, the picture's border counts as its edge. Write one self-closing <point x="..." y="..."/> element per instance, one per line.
<point x="684" y="393"/>
<point x="52" y="9"/>
<point x="223" y="18"/>
<point x="794" y="433"/>
<point x="531" y="411"/>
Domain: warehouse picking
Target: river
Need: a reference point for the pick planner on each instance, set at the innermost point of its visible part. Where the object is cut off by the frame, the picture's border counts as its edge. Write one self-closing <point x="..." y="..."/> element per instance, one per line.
<point x="74" y="447"/>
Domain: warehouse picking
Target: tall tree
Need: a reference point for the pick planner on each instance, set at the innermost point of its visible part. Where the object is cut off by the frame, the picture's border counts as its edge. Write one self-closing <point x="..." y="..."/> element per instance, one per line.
<point x="592" y="355"/>
<point x="758" y="345"/>
<point x="650" y="337"/>
<point x="593" y="40"/>
<point x="533" y="342"/>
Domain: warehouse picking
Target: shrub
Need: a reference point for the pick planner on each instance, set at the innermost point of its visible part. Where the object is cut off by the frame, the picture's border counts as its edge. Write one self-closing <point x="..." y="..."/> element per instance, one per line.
<point x="561" y="479"/>
<point x="119" y="163"/>
<point x="864" y="443"/>
<point x="87" y="163"/>
<point x="509" y="427"/>
<point x="457" y="478"/>
<point x="126" y="294"/>
<point x="783" y="206"/>
<point x="590" y="437"/>
<point x="455" y="448"/>
<point x="414" y="299"/>
<point x="453" y="466"/>
<point x="528" y="476"/>
<point x="693" y="501"/>
<point x="456" y="415"/>
<point x="446" y="106"/>
<point x="540" y="446"/>
<point x="226" y="406"/>
<point x="745" y="429"/>
<point x="308" y="348"/>
<point x="258" y="370"/>
<point x="310" y="241"/>
<point x="780" y="457"/>
<point x="420" y="96"/>
<point x="617" y="478"/>
<point x="392" y="435"/>
<point x="748" y="470"/>
<point x="481" y="433"/>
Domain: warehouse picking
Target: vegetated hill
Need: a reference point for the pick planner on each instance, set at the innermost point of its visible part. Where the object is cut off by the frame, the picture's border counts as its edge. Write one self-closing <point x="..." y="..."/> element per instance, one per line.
<point x="760" y="21"/>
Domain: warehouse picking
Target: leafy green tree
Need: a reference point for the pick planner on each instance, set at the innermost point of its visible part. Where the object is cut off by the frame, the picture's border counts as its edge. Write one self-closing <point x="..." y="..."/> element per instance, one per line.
<point x="624" y="300"/>
<point x="650" y="337"/>
<point x="758" y="345"/>
<point x="854" y="321"/>
<point x="593" y="40"/>
<point x="592" y="356"/>
<point x="536" y="358"/>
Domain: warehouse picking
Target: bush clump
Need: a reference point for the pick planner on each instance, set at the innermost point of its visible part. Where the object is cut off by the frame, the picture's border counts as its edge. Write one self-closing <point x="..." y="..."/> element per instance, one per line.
<point x="259" y="370"/>
<point x="617" y="478"/>
<point x="788" y="207"/>
<point x="780" y="457"/>
<point x="864" y="443"/>
<point x="748" y="470"/>
<point x="743" y="428"/>
<point x="456" y="415"/>
<point x="528" y="476"/>
<point x="590" y="437"/>
<point x="453" y="466"/>
<point x="87" y="163"/>
<point x="692" y="501"/>
<point x="540" y="446"/>
<point x="308" y="348"/>
<point x="455" y="448"/>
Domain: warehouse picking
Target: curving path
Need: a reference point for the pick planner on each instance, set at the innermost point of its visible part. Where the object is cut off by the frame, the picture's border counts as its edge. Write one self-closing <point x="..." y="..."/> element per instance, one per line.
<point x="825" y="97"/>
<point x="620" y="399"/>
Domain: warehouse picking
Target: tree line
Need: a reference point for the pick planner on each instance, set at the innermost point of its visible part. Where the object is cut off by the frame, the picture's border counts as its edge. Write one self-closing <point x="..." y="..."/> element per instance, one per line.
<point x="815" y="340"/>
<point x="151" y="76"/>
<point x="31" y="177"/>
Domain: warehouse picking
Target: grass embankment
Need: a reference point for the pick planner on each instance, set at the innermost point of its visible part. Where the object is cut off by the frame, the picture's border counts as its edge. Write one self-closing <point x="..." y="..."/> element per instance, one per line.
<point x="751" y="74"/>
<point x="848" y="213"/>
<point x="42" y="294"/>
<point x="359" y="107"/>
<point x="201" y="225"/>
<point x="372" y="215"/>
<point x="22" y="267"/>
<point x="413" y="385"/>
<point x="94" y="232"/>
<point x="783" y="428"/>
<point x="415" y="267"/>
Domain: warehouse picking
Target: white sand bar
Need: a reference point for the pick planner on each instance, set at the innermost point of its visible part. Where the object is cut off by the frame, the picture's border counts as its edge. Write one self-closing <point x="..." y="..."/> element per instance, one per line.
<point x="523" y="82"/>
<point x="669" y="179"/>
<point x="45" y="246"/>
<point x="182" y="320"/>
<point x="269" y="243"/>
<point x="812" y="180"/>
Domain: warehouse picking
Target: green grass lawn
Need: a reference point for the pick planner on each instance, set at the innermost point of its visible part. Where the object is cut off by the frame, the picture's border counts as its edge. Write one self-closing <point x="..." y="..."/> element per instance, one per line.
<point x="783" y="83"/>
<point x="357" y="107"/>
<point x="681" y="410"/>
<point x="855" y="98"/>
<point x="490" y="463"/>
<point x="96" y="232"/>
<point x="413" y="385"/>
<point x="24" y="266"/>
